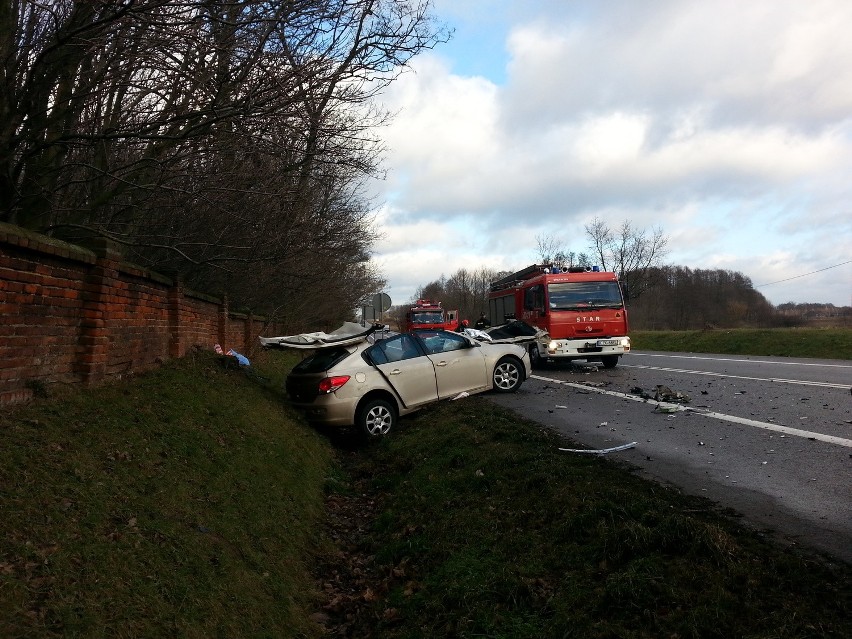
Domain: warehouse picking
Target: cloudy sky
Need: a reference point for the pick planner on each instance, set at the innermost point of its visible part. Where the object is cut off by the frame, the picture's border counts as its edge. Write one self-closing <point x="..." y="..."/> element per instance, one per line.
<point x="728" y="124"/>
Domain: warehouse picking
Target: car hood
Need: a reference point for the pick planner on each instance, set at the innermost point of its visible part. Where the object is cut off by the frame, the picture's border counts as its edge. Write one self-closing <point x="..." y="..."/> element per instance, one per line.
<point x="349" y="333"/>
<point x="515" y="332"/>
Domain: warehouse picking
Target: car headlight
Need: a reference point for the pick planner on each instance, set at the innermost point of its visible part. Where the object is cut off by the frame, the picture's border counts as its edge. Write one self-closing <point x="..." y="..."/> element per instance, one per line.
<point x="553" y="346"/>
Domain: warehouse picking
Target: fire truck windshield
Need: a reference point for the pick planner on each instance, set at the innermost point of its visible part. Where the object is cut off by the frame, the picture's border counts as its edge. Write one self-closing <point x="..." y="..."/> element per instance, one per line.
<point x="572" y="296"/>
<point x="426" y="318"/>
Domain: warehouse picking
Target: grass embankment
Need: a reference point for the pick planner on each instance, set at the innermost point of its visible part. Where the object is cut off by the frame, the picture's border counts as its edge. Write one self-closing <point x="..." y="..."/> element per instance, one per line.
<point x="181" y="503"/>
<point x="189" y="502"/>
<point x="824" y="343"/>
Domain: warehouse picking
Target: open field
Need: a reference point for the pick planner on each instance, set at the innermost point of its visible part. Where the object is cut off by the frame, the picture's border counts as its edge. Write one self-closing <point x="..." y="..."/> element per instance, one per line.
<point x="821" y="343"/>
<point x="192" y="502"/>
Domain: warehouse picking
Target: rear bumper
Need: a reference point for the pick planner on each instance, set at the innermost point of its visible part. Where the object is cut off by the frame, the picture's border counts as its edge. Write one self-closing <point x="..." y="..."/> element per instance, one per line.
<point x="328" y="411"/>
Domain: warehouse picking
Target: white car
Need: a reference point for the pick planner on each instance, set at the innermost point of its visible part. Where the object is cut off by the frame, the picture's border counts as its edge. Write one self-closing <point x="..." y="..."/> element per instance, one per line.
<point x="350" y="379"/>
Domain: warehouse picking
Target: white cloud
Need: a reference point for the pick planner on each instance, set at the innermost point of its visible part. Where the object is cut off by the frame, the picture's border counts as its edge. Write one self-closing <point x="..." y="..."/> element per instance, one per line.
<point x="728" y="124"/>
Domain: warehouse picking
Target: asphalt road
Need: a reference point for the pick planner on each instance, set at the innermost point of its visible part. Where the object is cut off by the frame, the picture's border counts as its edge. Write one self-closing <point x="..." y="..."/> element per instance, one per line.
<point x="768" y="437"/>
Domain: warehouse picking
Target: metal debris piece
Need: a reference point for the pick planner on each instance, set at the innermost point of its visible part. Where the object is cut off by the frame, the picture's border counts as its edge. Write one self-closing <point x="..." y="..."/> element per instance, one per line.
<point x="599" y="451"/>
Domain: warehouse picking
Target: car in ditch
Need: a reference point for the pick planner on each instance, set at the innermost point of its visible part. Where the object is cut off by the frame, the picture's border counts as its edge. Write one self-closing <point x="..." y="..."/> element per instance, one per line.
<point x="349" y="378"/>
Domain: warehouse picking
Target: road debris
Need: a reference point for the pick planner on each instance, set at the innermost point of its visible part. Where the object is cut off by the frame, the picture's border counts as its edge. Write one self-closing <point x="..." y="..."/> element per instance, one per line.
<point x="667" y="409"/>
<point x="637" y="390"/>
<point x="666" y="394"/>
<point x="599" y="451"/>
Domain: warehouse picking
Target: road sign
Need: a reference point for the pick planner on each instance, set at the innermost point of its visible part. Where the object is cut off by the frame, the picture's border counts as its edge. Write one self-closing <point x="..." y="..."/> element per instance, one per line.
<point x="381" y="302"/>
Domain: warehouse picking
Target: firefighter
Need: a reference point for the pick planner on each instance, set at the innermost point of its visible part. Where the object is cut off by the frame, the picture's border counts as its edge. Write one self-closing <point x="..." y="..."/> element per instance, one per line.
<point x="482" y="323"/>
<point x="462" y="325"/>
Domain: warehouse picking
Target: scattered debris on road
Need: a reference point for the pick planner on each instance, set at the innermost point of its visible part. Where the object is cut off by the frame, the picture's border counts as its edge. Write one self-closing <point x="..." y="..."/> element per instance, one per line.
<point x="666" y="394"/>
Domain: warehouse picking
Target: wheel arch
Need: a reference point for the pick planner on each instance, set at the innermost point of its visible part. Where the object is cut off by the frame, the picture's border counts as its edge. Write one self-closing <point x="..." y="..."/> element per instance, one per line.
<point x="377" y="393"/>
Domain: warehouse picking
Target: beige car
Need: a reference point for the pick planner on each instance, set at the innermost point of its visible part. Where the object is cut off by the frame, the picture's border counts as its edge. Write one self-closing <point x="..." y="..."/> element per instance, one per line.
<point x="351" y="379"/>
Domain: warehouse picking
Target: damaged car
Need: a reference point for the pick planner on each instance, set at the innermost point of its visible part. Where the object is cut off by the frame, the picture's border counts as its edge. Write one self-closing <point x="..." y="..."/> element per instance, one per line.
<point x="352" y="379"/>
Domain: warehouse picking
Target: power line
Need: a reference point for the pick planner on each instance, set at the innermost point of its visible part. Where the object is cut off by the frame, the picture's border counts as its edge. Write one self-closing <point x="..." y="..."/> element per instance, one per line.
<point x="795" y="277"/>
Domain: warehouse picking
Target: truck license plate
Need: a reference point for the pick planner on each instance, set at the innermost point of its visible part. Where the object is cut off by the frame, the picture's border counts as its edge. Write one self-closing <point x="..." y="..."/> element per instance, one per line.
<point x="607" y="342"/>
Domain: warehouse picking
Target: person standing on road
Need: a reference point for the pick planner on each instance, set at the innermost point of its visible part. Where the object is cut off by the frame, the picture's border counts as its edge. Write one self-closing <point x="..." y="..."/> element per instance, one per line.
<point x="482" y="323"/>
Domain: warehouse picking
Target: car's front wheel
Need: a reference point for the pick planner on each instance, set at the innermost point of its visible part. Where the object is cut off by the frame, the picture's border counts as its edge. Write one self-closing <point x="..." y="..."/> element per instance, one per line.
<point x="508" y="375"/>
<point x="376" y="418"/>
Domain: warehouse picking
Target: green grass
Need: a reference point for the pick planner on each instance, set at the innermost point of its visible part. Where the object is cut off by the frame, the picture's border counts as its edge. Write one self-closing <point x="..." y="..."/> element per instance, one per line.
<point x="490" y="531"/>
<point x="823" y="343"/>
<point x="191" y="502"/>
<point x="182" y="503"/>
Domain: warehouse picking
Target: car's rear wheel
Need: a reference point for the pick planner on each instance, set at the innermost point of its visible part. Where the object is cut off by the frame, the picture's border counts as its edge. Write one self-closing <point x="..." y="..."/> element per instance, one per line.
<point x="508" y="375"/>
<point x="376" y="418"/>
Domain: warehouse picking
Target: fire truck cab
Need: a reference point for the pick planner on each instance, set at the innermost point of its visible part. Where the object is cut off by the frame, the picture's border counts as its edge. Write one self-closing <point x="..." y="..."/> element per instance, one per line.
<point x="429" y="314"/>
<point x="581" y="309"/>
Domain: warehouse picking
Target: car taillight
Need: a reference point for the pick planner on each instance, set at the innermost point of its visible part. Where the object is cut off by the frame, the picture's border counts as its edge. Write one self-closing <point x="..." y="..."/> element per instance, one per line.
<point x="331" y="384"/>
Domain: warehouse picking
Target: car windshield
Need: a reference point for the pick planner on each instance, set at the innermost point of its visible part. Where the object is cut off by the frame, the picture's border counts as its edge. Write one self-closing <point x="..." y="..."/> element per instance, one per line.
<point x="427" y="318"/>
<point x="321" y="360"/>
<point x="572" y="296"/>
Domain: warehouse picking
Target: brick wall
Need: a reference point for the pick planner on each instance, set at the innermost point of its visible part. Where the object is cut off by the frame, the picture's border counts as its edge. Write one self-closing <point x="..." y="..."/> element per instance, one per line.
<point x="74" y="315"/>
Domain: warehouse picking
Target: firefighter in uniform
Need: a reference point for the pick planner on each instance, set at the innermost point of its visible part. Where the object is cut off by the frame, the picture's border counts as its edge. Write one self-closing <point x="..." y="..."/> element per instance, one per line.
<point x="482" y="323"/>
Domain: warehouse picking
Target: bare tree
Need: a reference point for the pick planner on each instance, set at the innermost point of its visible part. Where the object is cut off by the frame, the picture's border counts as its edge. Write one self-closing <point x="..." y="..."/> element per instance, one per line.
<point x="551" y="251"/>
<point x="215" y="138"/>
<point x="466" y="291"/>
<point x="630" y="252"/>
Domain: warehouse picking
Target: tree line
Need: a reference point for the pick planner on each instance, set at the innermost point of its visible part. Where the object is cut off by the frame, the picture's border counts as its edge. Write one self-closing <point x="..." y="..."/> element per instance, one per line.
<point x="658" y="296"/>
<point x="673" y="298"/>
<point x="224" y="142"/>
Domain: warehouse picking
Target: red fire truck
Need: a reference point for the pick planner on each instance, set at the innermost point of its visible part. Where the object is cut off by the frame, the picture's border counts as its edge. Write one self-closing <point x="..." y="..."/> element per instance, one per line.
<point x="581" y="309"/>
<point x="429" y="314"/>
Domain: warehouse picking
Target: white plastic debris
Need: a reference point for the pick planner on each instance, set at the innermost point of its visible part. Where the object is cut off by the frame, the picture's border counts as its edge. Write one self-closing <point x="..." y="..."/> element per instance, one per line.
<point x="599" y="451"/>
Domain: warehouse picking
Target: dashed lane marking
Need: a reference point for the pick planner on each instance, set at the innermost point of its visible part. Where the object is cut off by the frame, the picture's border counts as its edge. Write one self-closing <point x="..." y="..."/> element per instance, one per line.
<point x="779" y="380"/>
<point x="796" y="432"/>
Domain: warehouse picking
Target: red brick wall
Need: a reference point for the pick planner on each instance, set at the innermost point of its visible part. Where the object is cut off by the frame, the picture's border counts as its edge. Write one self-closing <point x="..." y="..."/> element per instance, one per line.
<point x="73" y="315"/>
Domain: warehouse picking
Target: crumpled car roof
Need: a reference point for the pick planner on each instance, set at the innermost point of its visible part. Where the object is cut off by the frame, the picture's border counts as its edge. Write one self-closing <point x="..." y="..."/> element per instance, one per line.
<point x="348" y="333"/>
<point x="514" y="332"/>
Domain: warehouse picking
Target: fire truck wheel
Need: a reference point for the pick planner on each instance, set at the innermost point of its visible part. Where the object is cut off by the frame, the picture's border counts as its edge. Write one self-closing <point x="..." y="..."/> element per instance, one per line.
<point x="609" y="361"/>
<point x="536" y="360"/>
<point x="376" y="418"/>
<point x="508" y="375"/>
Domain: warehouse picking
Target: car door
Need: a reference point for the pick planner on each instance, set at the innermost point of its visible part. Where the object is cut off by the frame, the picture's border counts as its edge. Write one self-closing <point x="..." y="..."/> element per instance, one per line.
<point x="459" y="365"/>
<point x="406" y="368"/>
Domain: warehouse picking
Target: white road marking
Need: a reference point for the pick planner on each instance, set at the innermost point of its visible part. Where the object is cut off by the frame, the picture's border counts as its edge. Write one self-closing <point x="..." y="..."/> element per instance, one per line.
<point x="829" y="439"/>
<point x="750" y="361"/>
<point x="779" y="380"/>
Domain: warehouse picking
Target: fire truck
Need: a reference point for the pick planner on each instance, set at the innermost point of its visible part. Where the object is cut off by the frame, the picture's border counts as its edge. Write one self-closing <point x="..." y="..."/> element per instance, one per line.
<point x="429" y="314"/>
<point x="582" y="310"/>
